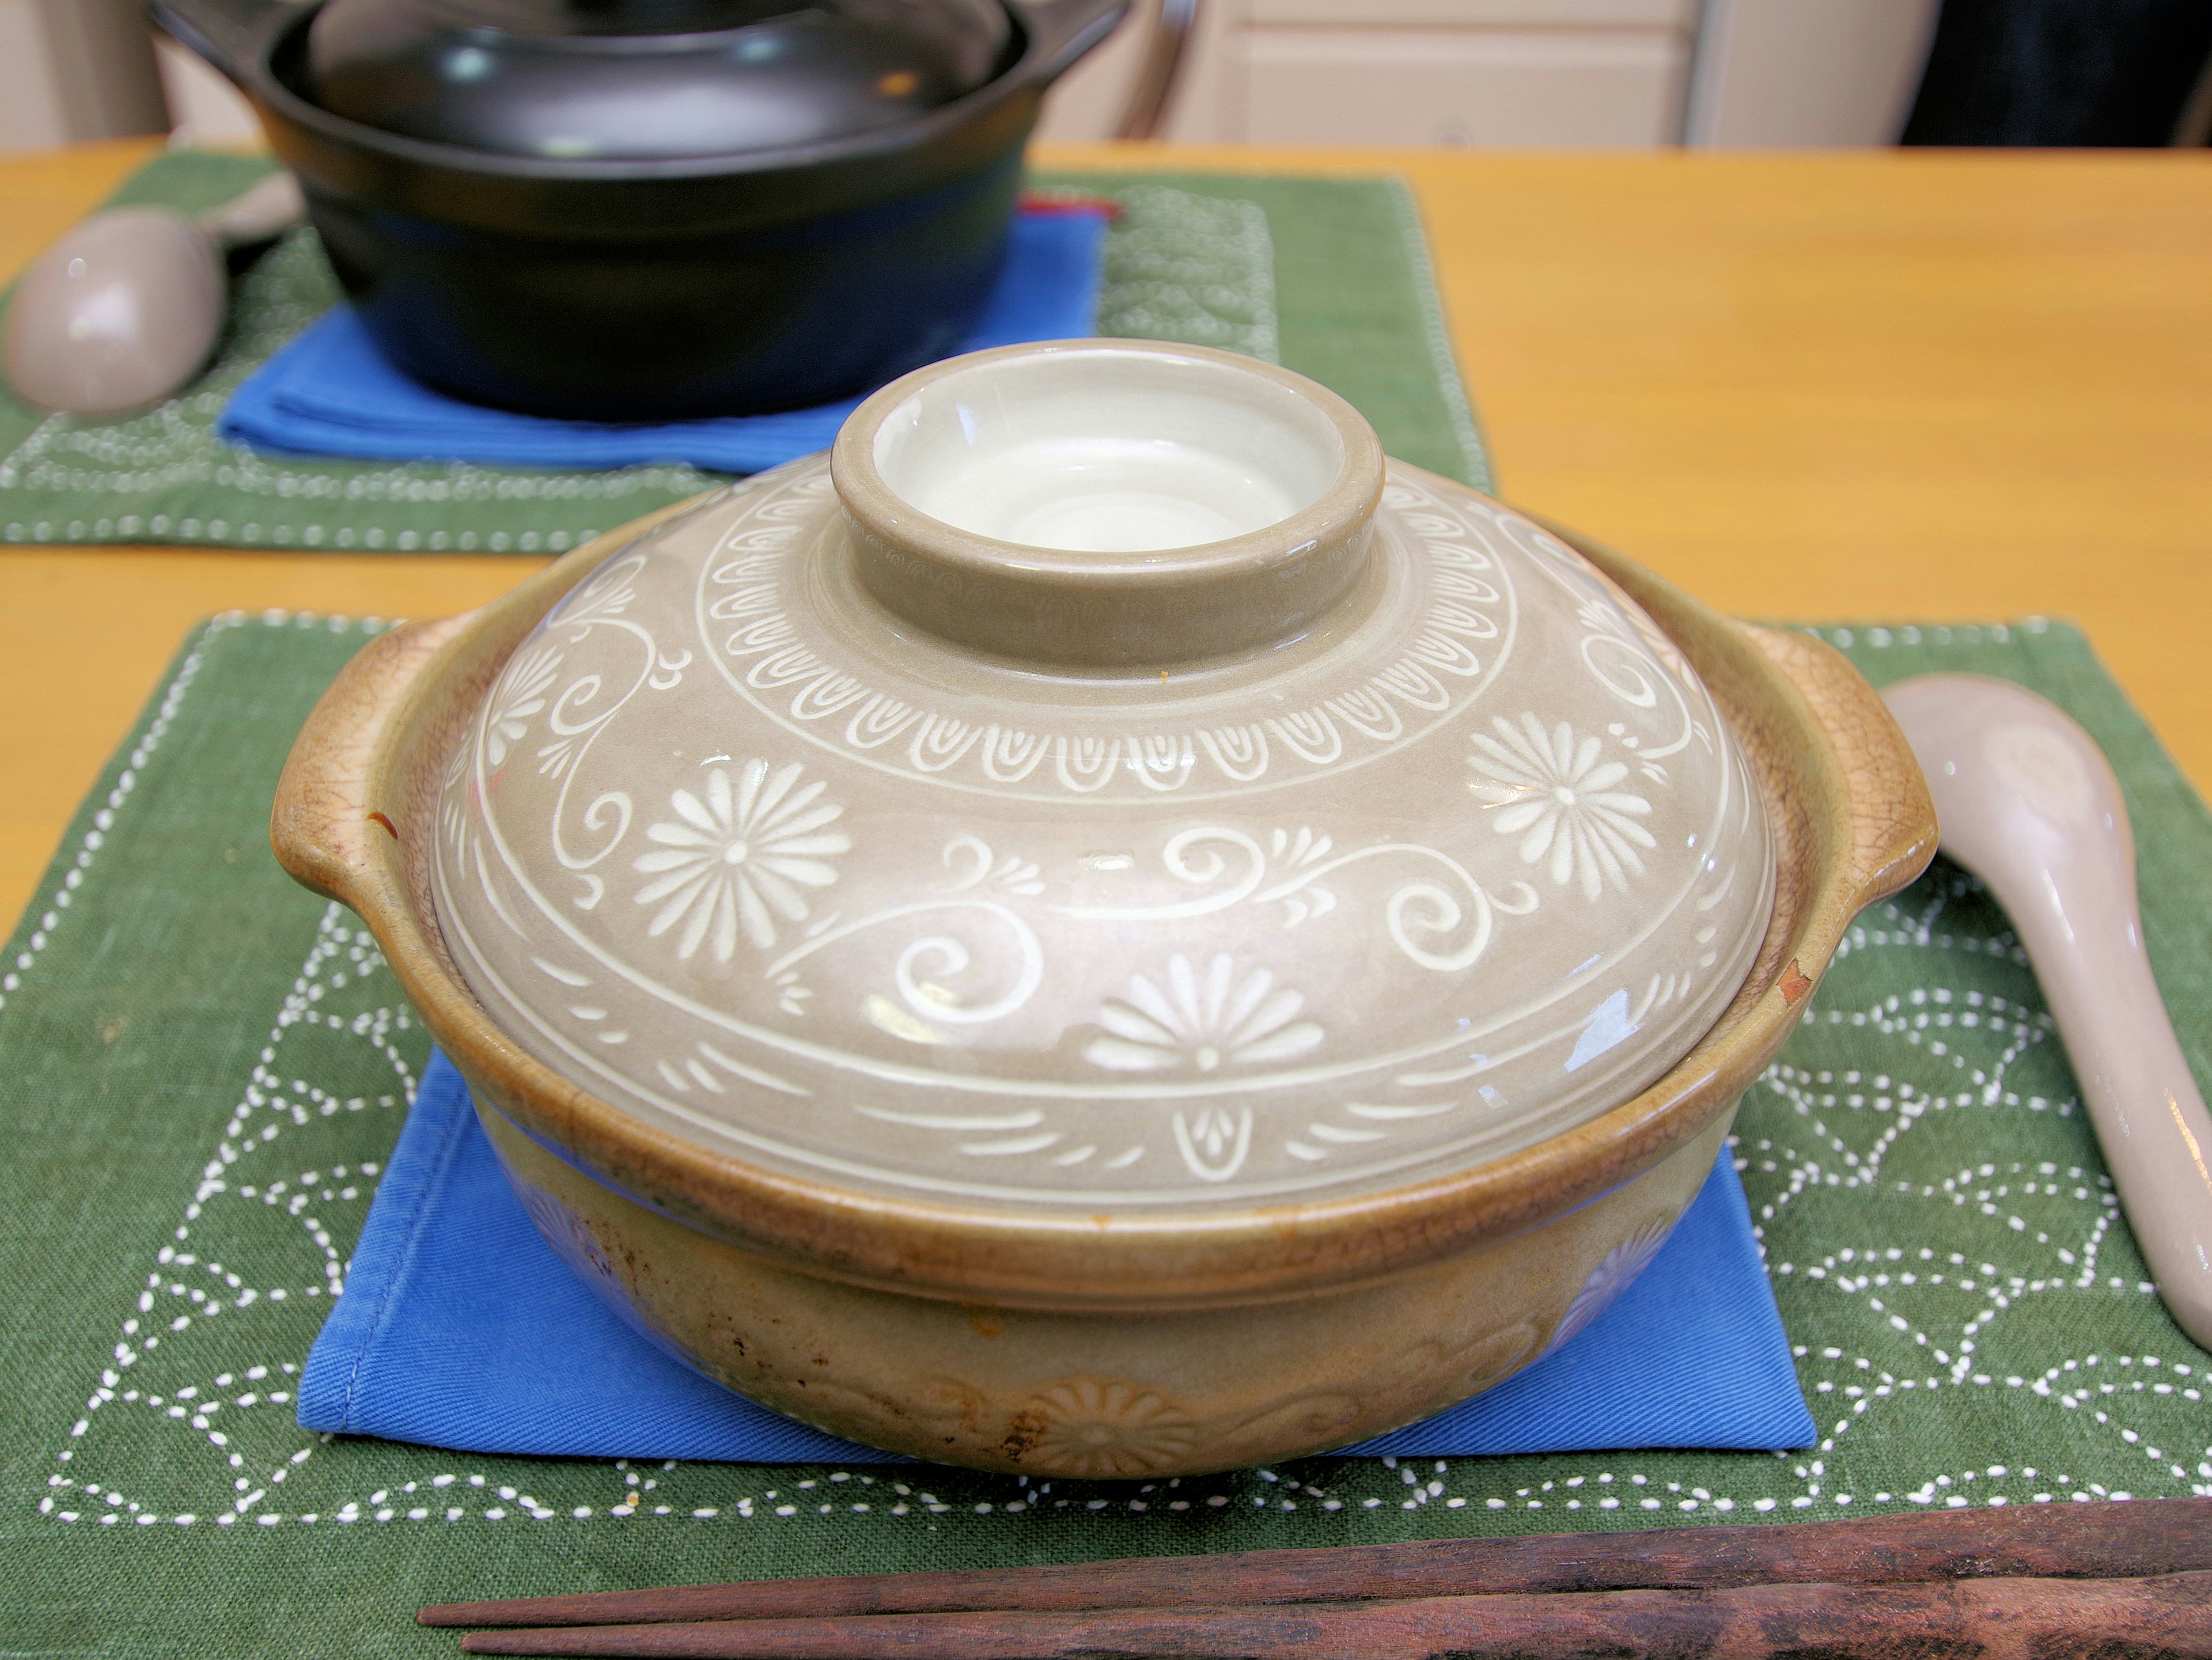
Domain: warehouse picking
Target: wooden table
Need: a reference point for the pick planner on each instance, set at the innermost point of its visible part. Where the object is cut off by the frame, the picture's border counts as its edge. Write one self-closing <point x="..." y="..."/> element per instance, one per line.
<point x="1895" y="386"/>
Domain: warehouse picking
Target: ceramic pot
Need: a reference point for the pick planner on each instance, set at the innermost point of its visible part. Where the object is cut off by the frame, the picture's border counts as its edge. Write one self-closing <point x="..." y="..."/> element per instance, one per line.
<point x="1103" y="928"/>
<point x="653" y="209"/>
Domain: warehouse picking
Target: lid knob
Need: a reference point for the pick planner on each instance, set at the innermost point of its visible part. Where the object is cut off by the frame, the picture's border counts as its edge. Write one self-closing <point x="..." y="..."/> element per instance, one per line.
<point x="1102" y="504"/>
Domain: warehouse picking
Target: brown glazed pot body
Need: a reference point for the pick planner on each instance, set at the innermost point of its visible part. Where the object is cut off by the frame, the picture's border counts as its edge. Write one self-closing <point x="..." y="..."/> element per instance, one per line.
<point x="1097" y="1346"/>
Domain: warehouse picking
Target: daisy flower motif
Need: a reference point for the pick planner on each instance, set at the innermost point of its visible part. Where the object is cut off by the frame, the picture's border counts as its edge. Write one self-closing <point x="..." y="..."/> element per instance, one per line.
<point x="1555" y="793"/>
<point x="740" y="857"/>
<point x="1202" y="1021"/>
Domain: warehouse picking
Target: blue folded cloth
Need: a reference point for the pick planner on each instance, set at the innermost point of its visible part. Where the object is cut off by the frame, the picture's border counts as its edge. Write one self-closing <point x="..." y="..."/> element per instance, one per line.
<point x="331" y="393"/>
<point x="460" y="1328"/>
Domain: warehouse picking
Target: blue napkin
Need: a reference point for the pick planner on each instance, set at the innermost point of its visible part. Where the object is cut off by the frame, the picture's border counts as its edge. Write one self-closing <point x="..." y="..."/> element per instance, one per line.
<point x="331" y="393"/>
<point x="460" y="1328"/>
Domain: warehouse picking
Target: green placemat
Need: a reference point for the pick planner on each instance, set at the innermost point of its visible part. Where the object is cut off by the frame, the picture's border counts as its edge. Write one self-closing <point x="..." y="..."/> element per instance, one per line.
<point x="201" y="1067"/>
<point x="1329" y="276"/>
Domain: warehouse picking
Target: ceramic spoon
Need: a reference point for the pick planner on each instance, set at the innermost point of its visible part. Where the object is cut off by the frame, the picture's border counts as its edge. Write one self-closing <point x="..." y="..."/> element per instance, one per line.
<point x="2028" y="802"/>
<point x="125" y="309"/>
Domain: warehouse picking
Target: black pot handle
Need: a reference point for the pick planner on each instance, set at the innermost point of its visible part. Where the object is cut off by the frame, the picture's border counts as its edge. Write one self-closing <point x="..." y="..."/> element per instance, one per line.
<point x="1063" y="30"/>
<point x="227" y="32"/>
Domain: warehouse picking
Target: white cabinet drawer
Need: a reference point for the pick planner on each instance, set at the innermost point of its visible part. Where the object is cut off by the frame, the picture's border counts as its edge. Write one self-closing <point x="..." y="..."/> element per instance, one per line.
<point x="1495" y="13"/>
<point x="1473" y="87"/>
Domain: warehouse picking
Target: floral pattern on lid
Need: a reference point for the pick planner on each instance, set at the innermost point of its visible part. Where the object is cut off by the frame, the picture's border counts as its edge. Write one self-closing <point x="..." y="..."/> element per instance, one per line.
<point x="740" y="860"/>
<point x="1559" y="793"/>
<point x="1404" y="893"/>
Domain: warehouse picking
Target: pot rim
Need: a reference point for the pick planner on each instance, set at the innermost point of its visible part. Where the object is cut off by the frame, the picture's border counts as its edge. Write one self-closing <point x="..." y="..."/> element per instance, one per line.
<point x="1849" y="808"/>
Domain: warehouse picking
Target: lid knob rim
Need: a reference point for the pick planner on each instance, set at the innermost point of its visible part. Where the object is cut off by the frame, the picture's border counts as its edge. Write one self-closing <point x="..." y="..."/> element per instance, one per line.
<point x="1093" y="504"/>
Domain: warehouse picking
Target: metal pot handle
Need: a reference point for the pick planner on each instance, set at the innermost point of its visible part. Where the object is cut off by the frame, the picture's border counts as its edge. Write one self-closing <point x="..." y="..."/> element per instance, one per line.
<point x="1160" y="69"/>
<point x="1061" y="31"/>
<point x="227" y="32"/>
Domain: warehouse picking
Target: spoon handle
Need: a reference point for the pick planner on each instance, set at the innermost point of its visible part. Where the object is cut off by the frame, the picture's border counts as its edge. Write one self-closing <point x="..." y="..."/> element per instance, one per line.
<point x="2027" y="801"/>
<point x="265" y="209"/>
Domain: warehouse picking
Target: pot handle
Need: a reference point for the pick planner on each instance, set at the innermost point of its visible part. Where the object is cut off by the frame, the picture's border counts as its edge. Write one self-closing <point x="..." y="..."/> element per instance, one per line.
<point x="1161" y="72"/>
<point x="324" y="826"/>
<point x="1061" y="31"/>
<point x="227" y="32"/>
<point x="1892" y="820"/>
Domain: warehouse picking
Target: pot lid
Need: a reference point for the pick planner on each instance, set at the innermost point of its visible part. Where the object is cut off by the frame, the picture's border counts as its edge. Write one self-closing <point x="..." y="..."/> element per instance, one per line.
<point x="952" y="821"/>
<point x="639" y="80"/>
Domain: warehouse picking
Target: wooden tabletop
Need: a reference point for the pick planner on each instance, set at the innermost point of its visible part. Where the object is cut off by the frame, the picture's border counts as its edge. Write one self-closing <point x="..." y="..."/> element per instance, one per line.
<point x="1838" y="385"/>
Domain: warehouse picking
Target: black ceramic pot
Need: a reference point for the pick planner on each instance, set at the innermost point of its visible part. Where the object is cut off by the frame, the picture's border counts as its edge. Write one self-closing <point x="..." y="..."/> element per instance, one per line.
<point x="651" y="209"/>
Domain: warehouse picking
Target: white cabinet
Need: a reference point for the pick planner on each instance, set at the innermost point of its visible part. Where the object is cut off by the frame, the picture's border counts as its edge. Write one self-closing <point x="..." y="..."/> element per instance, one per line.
<point x="1489" y="72"/>
<point x="1568" y="73"/>
<point x="75" y="69"/>
<point x="1780" y="73"/>
<point x="1470" y="14"/>
<point x="1485" y="87"/>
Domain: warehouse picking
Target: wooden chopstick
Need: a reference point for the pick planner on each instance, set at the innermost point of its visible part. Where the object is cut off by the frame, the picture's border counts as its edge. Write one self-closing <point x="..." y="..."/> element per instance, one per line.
<point x="2099" y="1540"/>
<point x="2025" y="1619"/>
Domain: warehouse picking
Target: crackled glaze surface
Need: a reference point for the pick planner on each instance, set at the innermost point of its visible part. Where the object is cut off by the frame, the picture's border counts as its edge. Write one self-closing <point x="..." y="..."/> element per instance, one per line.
<point x="1469" y="861"/>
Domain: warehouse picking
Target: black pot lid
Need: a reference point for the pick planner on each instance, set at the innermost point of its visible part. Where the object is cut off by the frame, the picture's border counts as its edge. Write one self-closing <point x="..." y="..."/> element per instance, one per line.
<point x="643" y="80"/>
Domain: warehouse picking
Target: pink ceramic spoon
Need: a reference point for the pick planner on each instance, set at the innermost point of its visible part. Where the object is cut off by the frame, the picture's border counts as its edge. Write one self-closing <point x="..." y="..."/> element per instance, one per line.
<point x="2027" y="801"/>
<point x="125" y="309"/>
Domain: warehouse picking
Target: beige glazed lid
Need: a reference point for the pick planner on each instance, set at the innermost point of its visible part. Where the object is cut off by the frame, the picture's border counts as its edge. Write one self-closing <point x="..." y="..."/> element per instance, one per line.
<point x="1103" y="785"/>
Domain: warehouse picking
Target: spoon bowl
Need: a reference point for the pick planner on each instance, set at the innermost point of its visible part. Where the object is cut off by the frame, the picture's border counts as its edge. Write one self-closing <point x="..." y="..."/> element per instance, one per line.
<point x="127" y="307"/>
<point x="120" y="311"/>
<point x="2027" y="802"/>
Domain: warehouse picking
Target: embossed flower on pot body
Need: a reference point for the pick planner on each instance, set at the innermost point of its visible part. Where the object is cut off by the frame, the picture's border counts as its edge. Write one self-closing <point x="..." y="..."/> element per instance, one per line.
<point x="1089" y="1426"/>
<point x="1555" y="792"/>
<point x="1201" y="1021"/>
<point x="1609" y="1280"/>
<point x="740" y="856"/>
